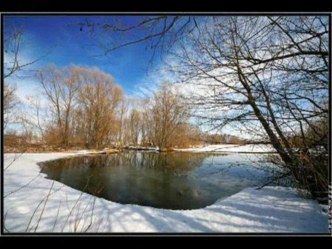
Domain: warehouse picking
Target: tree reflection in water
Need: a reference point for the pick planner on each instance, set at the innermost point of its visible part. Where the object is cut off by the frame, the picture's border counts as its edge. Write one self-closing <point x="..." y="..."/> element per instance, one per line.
<point x="172" y="180"/>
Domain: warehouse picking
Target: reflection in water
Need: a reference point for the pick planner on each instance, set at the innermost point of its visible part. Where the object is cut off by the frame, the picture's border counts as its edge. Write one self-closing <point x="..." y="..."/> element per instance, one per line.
<point x="165" y="180"/>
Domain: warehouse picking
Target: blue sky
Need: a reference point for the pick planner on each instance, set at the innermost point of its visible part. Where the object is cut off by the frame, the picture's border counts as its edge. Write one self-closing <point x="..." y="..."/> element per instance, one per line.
<point x="61" y="38"/>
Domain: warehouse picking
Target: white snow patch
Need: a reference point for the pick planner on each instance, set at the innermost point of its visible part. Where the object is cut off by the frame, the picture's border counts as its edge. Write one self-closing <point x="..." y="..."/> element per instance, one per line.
<point x="233" y="148"/>
<point x="143" y="148"/>
<point x="271" y="209"/>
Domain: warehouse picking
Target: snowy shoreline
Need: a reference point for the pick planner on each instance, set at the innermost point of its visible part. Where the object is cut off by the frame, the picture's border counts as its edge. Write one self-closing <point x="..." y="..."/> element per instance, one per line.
<point x="232" y="148"/>
<point x="56" y="207"/>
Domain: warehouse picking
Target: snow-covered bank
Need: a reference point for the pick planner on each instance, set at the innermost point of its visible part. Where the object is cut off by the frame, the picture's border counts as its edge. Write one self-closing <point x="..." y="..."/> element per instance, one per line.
<point x="56" y="207"/>
<point x="92" y="152"/>
<point x="233" y="148"/>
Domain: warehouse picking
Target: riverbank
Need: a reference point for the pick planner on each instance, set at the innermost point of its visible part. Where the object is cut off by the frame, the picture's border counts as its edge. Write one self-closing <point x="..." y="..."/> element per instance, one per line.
<point x="33" y="203"/>
<point x="222" y="148"/>
<point x="232" y="148"/>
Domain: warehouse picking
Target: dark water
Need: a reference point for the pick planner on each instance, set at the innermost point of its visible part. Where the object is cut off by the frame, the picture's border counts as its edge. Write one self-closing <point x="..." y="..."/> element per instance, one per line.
<point x="176" y="180"/>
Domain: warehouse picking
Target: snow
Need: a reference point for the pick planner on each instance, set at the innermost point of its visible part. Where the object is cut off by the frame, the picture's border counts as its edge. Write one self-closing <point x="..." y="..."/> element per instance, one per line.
<point x="132" y="147"/>
<point x="33" y="203"/>
<point x="233" y="148"/>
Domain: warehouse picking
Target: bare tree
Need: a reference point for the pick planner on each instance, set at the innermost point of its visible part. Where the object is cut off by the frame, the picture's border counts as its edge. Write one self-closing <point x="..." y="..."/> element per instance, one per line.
<point x="60" y="88"/>
<point x="39" y="118"/>
<point x="13" y="63"/>
<point x="168" y="112"/>
<point x="13" y="46"/>
<point x="158" y="33"/>
<point x="147" y="123"/>
<point x="99" y="100"/>
<point x="123" y="110"/>
<point x="85" y="104"/>
<point x="134" y="127"/>
<point x="270" y="71"/>
<point x="9" y="103"/>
